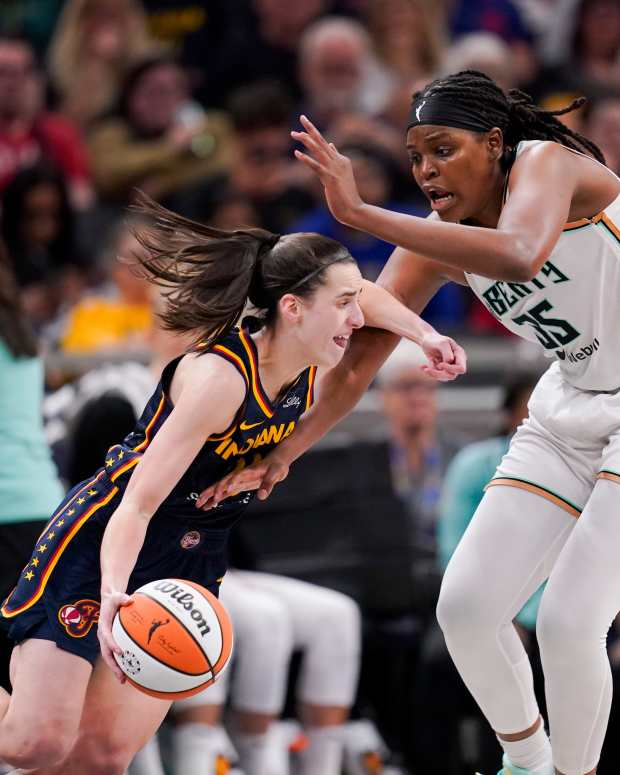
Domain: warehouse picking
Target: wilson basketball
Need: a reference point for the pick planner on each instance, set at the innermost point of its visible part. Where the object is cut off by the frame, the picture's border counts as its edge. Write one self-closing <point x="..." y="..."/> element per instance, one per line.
<point x="176" y="638"/>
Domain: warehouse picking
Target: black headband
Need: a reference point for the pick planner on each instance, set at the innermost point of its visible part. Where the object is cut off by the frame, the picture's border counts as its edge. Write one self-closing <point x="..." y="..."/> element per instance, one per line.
<point x="445" y="111"/>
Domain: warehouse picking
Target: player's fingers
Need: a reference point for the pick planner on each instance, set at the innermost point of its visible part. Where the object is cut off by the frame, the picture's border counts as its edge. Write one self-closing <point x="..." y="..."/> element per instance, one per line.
<point x="310" y="162"/>
<point x="320" y="152"/>
<point x="460" y="357"/>
<point x="313" y="132"/>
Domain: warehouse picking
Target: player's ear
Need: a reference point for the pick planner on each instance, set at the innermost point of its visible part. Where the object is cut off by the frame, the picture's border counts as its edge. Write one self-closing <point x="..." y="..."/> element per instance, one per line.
<point x="495" y="143"/>
<point x="289" y="308"/>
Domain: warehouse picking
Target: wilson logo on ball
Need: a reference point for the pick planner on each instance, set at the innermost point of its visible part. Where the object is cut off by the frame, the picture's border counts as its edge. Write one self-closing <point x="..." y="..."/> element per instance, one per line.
<point x="186" y="600"/>
<point x="78" y="618"/>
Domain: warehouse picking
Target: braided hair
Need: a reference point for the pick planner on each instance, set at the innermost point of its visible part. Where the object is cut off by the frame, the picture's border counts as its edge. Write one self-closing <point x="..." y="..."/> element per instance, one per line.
<point x="514" y="113"/>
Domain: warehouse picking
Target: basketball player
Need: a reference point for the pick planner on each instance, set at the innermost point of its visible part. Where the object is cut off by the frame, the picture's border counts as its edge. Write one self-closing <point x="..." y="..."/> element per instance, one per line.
<point x="525" y="217"/>
<point x="135" y="520"/>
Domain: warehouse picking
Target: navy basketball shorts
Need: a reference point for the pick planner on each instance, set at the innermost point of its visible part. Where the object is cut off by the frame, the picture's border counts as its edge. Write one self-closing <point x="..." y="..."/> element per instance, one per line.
<point x="57" y="595"/>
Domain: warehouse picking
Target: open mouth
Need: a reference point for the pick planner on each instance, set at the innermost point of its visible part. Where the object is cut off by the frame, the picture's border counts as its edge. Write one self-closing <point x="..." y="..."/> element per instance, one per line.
<point x="341" y="341"/>
<point x="439" y="198"/>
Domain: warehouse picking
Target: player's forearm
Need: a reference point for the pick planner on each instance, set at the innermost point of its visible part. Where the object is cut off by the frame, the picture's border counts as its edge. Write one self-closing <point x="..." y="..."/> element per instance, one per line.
<point x="340" y="389"/>
<point x="487" y="252"/>
<point x="122" y="540"/>
<point x="382" y="310"/>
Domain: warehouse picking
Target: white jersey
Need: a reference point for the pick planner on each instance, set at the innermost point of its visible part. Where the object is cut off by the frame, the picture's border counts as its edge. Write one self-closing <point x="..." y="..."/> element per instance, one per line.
<point x="572" y="306"/>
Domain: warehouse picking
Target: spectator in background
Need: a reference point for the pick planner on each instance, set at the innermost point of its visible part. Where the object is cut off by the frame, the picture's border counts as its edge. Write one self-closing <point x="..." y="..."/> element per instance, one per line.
<point x="29" y="133"/>
<point x="158" y="139"/>
<point x="420" y="453"/>
<point x="94" y="45"/>
<point x="408" y="37"/>
<point x="485" y="52"/>
<point x="339" y="73"/>
<point x="502" y="18"/>
<point x="582" y="49"/>
<point x="442" y="700"/>
<point x="265" y="172"/>
<point x="377" y="176"/>
<point x="118" y="318"/>
<point x="603" y="128"/>
<point x="29" y="485"/>
<point x="38" y="226"/>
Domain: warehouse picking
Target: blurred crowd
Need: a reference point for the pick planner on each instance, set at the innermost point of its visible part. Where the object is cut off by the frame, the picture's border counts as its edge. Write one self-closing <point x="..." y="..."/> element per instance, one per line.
<point x="192" y="102"/>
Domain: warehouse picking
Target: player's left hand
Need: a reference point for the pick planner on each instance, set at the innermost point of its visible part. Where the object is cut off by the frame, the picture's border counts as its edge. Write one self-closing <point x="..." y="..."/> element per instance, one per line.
<point x="334" y="170"/>
<point x="446" y="358"/>
<point x="110" y="603"/>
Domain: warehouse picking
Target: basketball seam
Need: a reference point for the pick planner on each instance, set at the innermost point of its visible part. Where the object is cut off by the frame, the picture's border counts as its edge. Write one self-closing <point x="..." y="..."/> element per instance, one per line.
<point x="161" y="662"/>
<point x="189" y="632"/>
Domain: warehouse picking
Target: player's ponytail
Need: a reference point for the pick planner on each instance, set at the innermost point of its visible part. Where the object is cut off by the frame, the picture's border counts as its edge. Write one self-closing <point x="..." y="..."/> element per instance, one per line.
<point x="210" y="274"/>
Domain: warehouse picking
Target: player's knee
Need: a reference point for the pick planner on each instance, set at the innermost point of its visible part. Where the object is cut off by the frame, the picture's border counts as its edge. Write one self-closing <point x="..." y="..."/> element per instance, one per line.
<point x="460" y="608"/>
<point x="50" y="745"/>
<point x="99" y="755"/>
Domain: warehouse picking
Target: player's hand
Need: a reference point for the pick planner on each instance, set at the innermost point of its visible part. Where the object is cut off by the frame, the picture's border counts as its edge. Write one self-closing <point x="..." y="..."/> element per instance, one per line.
<point x="110" y="603"/>
<point x="446" y="359"/>
<point x="334" y="170"/>
<point x="262" y="477"/>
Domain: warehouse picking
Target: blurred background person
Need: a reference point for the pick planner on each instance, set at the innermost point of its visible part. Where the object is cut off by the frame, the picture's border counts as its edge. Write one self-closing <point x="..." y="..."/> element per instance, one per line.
<point x="40" y="229"/>
<point x="28" y="132"/>
<point x="265" y="171"/>
<point x="158" y="139"/>
<point x="602" y="126"/>
<point x="117" y="316"/>
<point x="29" y="484"/>
<point x="94" y="45"/>
<point x="420" y="453"/>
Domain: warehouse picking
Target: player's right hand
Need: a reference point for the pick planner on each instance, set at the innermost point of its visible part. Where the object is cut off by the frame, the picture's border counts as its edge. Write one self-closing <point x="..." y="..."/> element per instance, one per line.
<point x="110" y="603"/>
<point x="261" y="477"/>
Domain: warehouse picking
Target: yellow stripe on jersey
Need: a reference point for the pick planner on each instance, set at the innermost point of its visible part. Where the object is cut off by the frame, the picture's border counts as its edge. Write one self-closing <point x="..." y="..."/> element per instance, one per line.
<point x="537" y="490"/>
<point x="572" y="225"/>
<point x="149" y="427"/>
<point x="310" y="394"/>
<point x="231" y="356"/>
<point x="53" y="561"/>
<point x="610" y="226"/>
<point x="260" y="397"/>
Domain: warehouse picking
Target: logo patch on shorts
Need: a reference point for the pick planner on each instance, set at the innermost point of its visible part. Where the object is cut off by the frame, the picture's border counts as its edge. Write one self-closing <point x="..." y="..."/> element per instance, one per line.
<point x="78" y="618"/>
<point x="190" y="539"/>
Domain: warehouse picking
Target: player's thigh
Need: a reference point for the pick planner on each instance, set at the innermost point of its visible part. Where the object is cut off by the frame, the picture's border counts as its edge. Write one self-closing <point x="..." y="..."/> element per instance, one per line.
<point x="506" y="552"/>
<point x="117" y="722"/>
<point x="49" y="690"/>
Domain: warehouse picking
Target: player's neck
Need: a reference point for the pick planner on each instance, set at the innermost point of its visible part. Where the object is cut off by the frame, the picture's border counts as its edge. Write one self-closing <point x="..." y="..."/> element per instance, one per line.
<point x="280" y="361"/>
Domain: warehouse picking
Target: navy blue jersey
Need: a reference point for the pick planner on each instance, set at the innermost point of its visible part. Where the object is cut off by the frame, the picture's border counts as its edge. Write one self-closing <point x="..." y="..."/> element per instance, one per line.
<point x="257" y="428"/>
<point x="57" y="594"/>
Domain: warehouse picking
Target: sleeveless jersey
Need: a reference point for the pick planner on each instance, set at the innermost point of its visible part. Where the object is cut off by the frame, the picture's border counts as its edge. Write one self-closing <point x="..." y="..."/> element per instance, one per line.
<point x="257" y="428"/>
<point x="571" y="307"/>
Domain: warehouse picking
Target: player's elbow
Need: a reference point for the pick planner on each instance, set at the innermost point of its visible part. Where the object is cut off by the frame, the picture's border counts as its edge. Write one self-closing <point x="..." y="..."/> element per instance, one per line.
<point x="522" y="262"/>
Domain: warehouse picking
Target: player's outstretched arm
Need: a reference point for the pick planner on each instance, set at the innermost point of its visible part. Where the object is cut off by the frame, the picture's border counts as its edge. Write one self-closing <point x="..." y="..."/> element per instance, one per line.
<point x="446" y="359"/>
<point x="165" y="461"/>
<point x="542" y="184"/>
<point x="409" y="279"/>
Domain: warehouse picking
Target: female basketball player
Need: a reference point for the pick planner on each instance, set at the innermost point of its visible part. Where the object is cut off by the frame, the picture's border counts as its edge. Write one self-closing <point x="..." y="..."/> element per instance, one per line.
<point x="237" y="396"/>
<point x="531" y="223"/>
